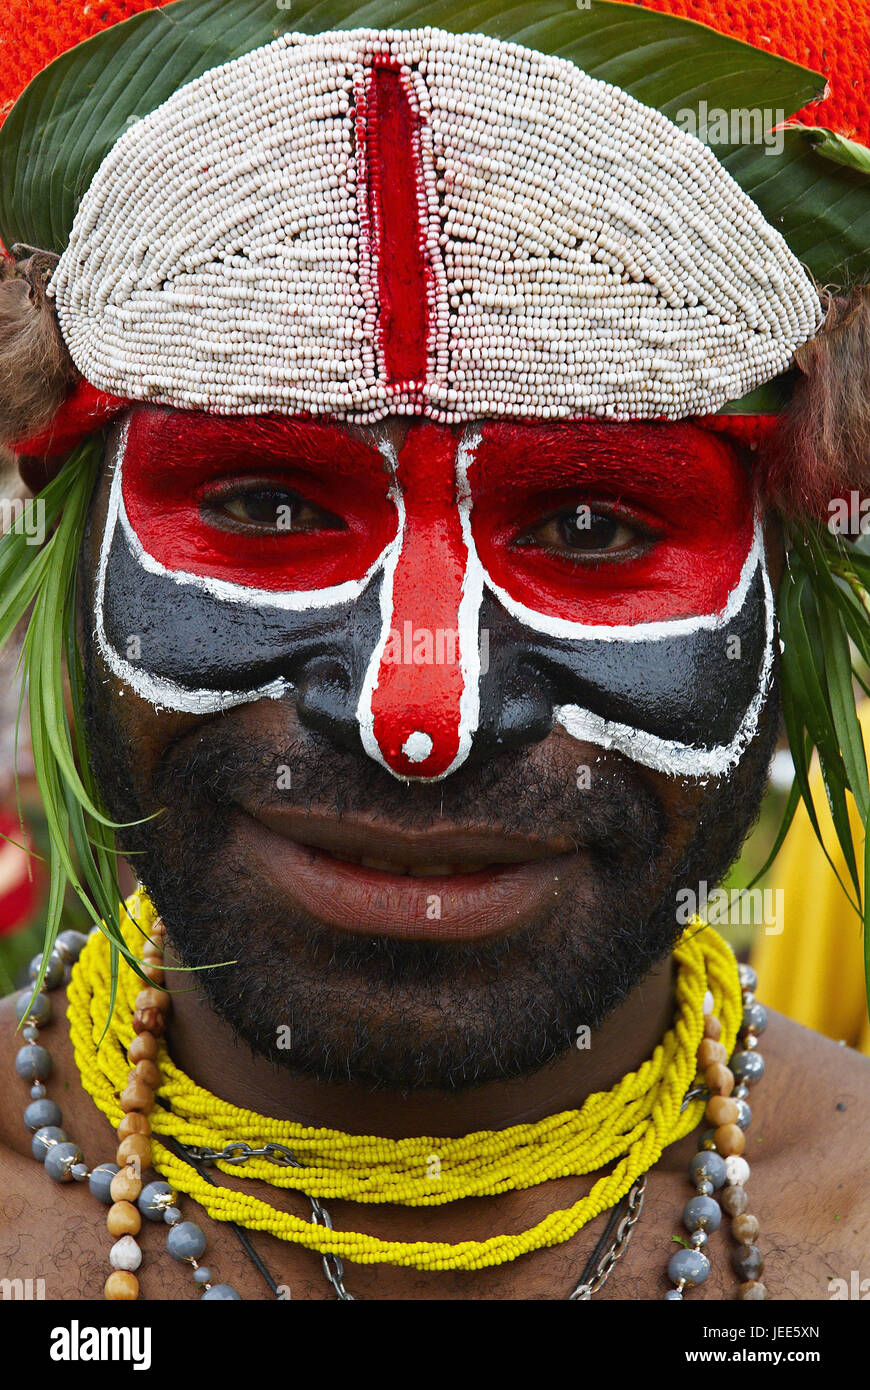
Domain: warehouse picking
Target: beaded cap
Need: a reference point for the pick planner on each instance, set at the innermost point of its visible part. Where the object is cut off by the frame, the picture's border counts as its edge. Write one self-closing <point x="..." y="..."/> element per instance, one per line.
<point x="370" y="222"/>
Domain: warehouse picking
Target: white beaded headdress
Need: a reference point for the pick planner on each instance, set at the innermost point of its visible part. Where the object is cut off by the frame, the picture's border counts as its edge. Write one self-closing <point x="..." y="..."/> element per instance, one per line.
<point x="576" y="253"/>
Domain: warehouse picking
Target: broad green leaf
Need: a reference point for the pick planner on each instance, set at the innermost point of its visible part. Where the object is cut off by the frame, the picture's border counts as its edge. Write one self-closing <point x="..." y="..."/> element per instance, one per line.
<point x="821" y="208"/>
<point x="71" y="114"/>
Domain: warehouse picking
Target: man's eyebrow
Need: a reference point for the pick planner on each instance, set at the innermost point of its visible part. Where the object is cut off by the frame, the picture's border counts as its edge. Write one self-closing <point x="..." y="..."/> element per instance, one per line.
<point x="197" y="441"/>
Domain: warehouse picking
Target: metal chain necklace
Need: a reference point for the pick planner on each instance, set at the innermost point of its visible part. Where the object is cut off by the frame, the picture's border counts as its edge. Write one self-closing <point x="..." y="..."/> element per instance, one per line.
<point x="240" y="1152"/>
<point x="718" y="1164"/>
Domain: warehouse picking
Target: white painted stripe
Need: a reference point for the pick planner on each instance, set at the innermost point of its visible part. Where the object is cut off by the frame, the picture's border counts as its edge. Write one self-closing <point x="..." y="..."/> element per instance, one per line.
<point x="288" y="600"/>
<point x="658" y="631"/>
<point x="364" y="714"/>
<point x="669" y="756"/>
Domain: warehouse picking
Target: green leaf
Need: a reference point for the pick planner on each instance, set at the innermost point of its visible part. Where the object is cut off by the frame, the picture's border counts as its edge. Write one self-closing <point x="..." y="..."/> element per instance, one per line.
<point x="767" y="399"/>
<point x="822" y="208"/>
<point x="836" y="147"/>
<point x="71" y="115"/>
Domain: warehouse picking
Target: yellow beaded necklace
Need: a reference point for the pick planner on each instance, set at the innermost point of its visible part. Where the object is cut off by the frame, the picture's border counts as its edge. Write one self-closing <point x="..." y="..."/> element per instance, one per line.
<point x="629" y="1126"/>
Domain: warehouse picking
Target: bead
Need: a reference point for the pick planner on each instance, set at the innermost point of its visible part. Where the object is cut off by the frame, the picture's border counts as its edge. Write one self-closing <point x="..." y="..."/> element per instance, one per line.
<point x="202" y="1275"/>
<point x="69" y="945"/>
<point x="719" y="1079"/>
<point x="33" y="1063"/>
<point x="38" y="1091"/>
<point x="707" y="1140"/>
<point x="747" y="976"/>
<point x="744" y="1115"/>
<point x="752" y="1291"/>
<point x="734" y="1201"/>
<point x="151" y="1021"/>
<point x="30" y="1033"/>
<point x="60" y="1159"/>
<point x="134" y="1123"/>
<point x="748" y="1262"/>
<point x="53" y="971"/>
<point x="710" y="1052"/>
<point x="538" y="244"/>
<point x="172" y="1216"/>
<point x="755" y="1018"/>
<point x="137" y="1096"/>
<point x="147" y="1074"/>
<point x="43" y="1140"/>
<point x="152" y="998"/>
<point x="100" y="1181"/>
<point x="37" y="1008"/>
<point x="702" y="1214"/>
<point x="688" y="1265"/>
<point x="125" y="1254"/>
<point x="707" y="1166"/>
<point x="673" y="1296"/>
<point x="712" y="1027"/>
<point x="79" y="1172"/>
<point x="745" y="1228"/>
<point x="42" y="1113"/>
<point x="721" y="1111"/>
<point x="736" y="1170"/>
<point x="730" y="1139"/>
<point x="125" y="1186"/>
<point x="186" y="1241"/>
<point x="143" y="1048"/>
<point x="136" y="1148"/>
<point x="748" y="1067"/>
<point x="121" y="1285"/>
<point x="153" y="972"/>
<point x="222" y="1292"/>
<point x="154" y="1199"/>
<point x="122" y="1219"/>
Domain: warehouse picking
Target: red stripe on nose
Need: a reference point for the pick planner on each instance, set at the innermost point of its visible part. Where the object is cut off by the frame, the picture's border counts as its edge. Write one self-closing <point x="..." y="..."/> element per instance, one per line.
<point x="416" y="701"/>
<point x="388" y="129"/>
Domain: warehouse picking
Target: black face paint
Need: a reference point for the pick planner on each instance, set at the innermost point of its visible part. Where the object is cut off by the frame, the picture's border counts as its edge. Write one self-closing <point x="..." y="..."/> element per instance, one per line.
<point x="681" y="696"/>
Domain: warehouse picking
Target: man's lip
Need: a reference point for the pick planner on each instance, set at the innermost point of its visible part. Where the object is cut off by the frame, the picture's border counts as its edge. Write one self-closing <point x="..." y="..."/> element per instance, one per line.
<point x="463" y="904"/>
<point x="437" y="850"/>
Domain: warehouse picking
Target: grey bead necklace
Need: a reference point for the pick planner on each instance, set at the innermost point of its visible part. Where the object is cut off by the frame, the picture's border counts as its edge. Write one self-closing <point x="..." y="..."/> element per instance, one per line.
<point x="710" y="1170"/>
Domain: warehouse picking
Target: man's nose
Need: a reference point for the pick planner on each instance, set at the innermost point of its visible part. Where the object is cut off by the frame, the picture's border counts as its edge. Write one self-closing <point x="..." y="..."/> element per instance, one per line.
<point x="415" y="703"/>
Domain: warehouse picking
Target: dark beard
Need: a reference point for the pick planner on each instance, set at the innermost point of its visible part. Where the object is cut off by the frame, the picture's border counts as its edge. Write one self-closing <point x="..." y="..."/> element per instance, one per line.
<point x="411" y="1014"/>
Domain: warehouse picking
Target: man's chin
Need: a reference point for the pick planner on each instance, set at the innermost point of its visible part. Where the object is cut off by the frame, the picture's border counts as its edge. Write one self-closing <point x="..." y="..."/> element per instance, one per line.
<point x="388" y="1012"/>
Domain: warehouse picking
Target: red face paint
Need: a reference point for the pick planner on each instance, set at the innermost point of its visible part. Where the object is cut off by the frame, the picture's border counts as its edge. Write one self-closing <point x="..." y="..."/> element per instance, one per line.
<point x="419" y="682"/>
<point x="684" y="490"/>
<point x="177" y="460"/>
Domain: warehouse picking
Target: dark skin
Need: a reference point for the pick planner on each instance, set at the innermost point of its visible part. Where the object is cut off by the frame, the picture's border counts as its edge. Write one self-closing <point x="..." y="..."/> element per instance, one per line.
<point x="808" y="1156"/>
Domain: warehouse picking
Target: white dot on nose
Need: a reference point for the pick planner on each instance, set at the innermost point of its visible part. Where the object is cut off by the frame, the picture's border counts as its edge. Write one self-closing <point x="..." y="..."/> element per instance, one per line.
<point x="417" y="746"/>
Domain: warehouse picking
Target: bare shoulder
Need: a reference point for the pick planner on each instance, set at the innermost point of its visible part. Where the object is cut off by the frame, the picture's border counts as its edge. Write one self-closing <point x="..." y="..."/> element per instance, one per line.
<point x="809" y="1151"/>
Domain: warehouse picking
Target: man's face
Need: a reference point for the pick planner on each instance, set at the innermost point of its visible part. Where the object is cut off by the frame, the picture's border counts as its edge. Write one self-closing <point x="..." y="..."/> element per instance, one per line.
<point x="437" y="720"/>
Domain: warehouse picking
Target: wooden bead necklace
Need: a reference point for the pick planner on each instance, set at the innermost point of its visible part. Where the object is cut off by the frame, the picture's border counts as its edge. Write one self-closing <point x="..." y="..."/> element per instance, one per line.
<point x="125" y="1067"/>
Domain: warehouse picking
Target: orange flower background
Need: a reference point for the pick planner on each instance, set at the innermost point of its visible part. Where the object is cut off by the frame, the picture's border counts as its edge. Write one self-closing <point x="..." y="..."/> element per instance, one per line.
<point x="827" y="35"/>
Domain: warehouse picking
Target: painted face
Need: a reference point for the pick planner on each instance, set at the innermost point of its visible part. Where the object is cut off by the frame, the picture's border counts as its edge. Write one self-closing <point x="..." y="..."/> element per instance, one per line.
<point x="454" y="595"/>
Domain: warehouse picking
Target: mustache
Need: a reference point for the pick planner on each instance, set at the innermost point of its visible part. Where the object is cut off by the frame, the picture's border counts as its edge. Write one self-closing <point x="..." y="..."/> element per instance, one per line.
<point x="604" y="806"/>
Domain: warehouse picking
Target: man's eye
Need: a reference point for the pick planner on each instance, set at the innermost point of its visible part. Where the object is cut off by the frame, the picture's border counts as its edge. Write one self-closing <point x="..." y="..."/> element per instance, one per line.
<point x="273" y="509"/>
<point x="584" y="531"/>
